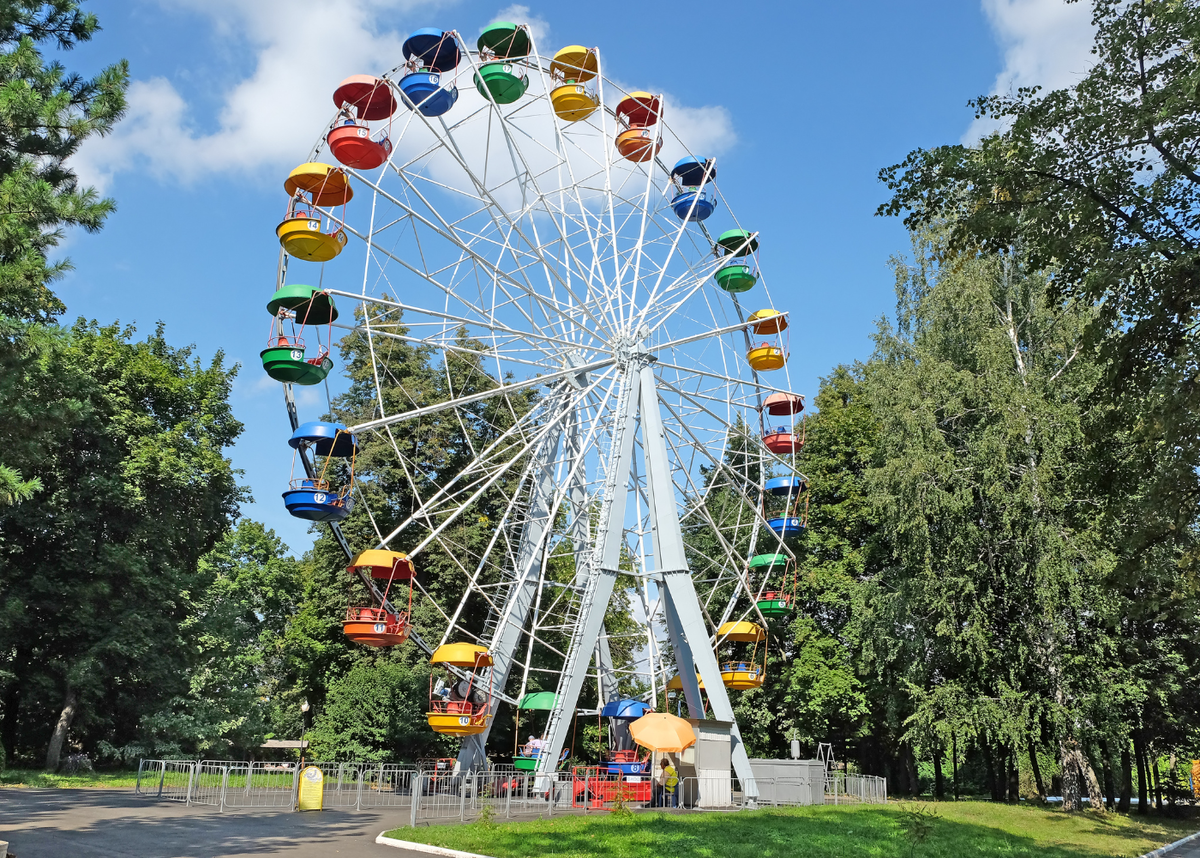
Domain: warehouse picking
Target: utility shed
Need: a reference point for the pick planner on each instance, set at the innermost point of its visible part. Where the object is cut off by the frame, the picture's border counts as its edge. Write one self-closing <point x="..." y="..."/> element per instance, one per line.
<point x="790" y="781"/>
<point x="704" y="768"/>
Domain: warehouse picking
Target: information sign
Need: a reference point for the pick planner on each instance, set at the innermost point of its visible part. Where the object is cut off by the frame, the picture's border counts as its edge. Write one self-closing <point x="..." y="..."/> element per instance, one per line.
<point x="312" y="789"/>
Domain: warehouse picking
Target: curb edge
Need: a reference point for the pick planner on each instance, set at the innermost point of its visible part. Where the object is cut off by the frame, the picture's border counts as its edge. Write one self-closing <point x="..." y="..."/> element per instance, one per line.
<point x="425" y="847"/>
<point x="1170" y="847"/>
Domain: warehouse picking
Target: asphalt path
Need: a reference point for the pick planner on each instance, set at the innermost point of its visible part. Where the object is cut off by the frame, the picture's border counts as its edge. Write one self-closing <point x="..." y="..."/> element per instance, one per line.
<point x="97" y="823"/>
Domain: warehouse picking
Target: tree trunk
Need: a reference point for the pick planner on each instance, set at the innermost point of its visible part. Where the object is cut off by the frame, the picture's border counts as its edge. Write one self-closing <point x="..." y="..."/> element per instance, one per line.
<point x="910" y="770"/>
<point x="1095" y="796"/>
<point x="1171" y="780"/>
<point x="1139" y="753"/>
<point x="1037" y="771"/>
<point x="989" y="765"/>
<point x="1126" y="778"/>
<point x="954" y="752"/>
<point x="939" y="784"/>
<point x="1070" y="777"/>
<point x="1158" y="802"/>
<point x="1014" y="776"/>
<point x="60" y="729"/>
<point x="1110" y="792"/>
<point x="12" y="709"/>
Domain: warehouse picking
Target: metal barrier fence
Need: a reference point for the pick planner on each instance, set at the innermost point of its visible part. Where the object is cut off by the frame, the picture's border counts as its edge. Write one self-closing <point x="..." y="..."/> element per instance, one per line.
<point x="714" y="793"/>
<point x="843" y="788"/>
<point x="437" y="794"/>
<point x="499" y="792"/>
<point x="166" y="779"/>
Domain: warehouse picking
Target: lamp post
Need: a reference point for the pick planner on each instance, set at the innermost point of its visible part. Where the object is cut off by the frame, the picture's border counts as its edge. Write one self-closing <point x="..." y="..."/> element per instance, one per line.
<point x="303" y="728"/>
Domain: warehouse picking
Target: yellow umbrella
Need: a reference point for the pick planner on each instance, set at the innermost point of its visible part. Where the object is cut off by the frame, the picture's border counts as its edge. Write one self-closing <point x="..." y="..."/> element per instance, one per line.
<point x="661" y="731"/>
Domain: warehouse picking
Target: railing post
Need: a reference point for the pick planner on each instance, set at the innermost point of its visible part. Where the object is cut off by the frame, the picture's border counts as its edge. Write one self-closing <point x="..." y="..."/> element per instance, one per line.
<point x="508" y="791"/>
<point x="162" y="777"/>
<point x="296" y="788"/>
<point x="358" y="800"/>
<point x="416" y="798"/>
<point x="137" y="785"/>
<point x="191" y="780"/>
<point x="462" y="799"/>
<point x="224" y="784"/>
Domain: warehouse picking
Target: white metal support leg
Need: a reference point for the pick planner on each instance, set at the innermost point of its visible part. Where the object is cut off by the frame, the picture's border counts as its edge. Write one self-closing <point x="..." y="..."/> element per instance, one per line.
<point x="605" y="565"/>
<point x="679" y="591"/>
<point x="507" y="639"/>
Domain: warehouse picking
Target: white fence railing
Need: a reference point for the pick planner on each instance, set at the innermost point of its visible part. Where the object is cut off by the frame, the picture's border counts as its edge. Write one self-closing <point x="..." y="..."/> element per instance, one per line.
<point x="440" y="795"/>
<point x="843" y="788"/>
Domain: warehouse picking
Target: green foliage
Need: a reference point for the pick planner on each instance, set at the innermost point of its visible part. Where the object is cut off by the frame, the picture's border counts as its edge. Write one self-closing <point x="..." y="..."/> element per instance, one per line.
<point x="375" y="712"/>
<point x="917" y="822"/>
<point x="1100" y="184"/>
<point x="46" y="112"/>
<point x="237" y="620"/>
<point x="13" y="489"/>
<point x="487" y="817"/>
<point x="127" y="439"/>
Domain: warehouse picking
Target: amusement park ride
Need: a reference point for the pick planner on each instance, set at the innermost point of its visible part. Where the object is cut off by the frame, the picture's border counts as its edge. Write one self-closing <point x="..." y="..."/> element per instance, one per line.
<point x="526" y="221"/>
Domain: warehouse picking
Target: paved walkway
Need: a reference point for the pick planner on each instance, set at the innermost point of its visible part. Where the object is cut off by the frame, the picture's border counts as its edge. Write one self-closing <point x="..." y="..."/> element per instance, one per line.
<point x="1187" y="850"/>
<point x="84" y="823"/>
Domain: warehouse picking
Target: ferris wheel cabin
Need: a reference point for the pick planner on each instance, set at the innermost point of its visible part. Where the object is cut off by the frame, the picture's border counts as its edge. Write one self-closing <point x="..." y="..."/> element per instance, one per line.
<point x="461" y="706"/>
<point x="639" y="111"/>
<point x="775" y="600"/>
<point x="574" y="65"/>
<point x="284" y="357"/>
<point x="791" y="489"/>
<point x="300" y="234"/>
<point x="430" y="53"/>
<point x="361" y="98"/>
<point x="312" y="498"/>
<point x="501" y="79"/>
<point x="691" y="201"/>
<point x="748" y="666"/>
<point x="741" y="272"/>
<point x="379" y="626"/>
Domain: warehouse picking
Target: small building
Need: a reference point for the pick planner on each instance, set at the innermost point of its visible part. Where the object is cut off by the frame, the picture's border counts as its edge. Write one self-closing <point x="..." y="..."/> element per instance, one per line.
<point x="789" y="781"/>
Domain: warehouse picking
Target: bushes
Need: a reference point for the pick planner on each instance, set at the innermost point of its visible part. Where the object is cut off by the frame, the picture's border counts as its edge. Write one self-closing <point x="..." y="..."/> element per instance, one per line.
<point x="375" y="713"/>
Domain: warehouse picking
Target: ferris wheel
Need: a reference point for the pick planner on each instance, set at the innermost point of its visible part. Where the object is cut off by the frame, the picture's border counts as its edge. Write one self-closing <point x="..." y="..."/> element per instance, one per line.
<point x="526" y="217"/>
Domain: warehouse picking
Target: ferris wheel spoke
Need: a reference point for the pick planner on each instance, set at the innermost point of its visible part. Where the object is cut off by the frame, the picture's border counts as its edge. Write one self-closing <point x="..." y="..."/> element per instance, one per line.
<point x="449" y="234"/>
<point x="523" y="450"/>
<point x="498" y="211"/>
<point x="443" y="345"/>
<point x="487" y="394"/>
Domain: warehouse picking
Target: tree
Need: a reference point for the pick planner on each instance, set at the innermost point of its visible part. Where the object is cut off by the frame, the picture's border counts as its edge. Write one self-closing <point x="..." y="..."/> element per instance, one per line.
<point x="45" y="114"/>
<point x="127" y="438"/>
<point x="1099" y="185"/>
<point x="993" y="591"/>
<point x="376" y="712"/>
<point x="249" y="590"/>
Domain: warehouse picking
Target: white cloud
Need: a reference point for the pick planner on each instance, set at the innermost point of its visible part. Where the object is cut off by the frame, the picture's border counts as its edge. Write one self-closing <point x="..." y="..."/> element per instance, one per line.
<point x="268" y="121"/>
<point x="1046" y="43"/>
<point x="302" y="48"/>
<point x="518" y="13"/>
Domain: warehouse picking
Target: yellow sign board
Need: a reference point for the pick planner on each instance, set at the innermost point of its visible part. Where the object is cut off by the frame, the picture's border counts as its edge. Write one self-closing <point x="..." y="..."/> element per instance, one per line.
<point x="312" y="789"/>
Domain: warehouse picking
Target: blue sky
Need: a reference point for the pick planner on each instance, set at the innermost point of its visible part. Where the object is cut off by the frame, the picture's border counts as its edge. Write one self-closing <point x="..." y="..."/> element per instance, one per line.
<point x="803" y="101"/>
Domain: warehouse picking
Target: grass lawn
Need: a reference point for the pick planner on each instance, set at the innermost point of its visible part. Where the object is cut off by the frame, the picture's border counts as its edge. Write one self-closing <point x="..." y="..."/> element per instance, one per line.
<point x="34" y="778"/>
<point x="964" y="828"/>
